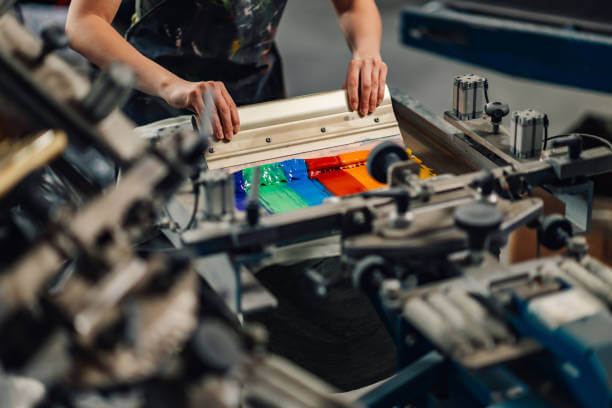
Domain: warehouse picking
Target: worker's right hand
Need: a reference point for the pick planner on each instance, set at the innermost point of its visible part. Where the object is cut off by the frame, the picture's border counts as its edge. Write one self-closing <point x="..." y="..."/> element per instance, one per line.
<point x="209" y="100"/>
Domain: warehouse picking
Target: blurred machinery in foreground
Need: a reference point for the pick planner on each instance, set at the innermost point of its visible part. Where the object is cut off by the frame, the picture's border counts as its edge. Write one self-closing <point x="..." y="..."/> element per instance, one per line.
<point x="86" y="318"/>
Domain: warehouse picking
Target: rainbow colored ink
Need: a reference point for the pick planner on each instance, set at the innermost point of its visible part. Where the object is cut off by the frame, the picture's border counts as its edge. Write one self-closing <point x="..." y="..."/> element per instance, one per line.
<point x="298" y="183"/>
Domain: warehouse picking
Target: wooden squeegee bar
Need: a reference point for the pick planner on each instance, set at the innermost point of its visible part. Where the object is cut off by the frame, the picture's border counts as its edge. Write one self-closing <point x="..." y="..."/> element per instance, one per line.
<point x="289" y="127"/>
<point x="301" y="125"/>
<point x="303" y="136"/>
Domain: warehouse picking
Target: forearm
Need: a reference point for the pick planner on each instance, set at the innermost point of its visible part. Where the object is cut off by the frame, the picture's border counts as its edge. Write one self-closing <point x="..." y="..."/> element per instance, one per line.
<point x="98" y="41"/>
<point x="360" y="21"/>
<point x="89" y="28"/>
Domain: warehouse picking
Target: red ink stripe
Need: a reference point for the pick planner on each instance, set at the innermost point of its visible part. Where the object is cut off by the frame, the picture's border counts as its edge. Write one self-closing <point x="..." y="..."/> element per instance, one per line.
<point x="318" y="165"/>
<point x="340" y="183"/>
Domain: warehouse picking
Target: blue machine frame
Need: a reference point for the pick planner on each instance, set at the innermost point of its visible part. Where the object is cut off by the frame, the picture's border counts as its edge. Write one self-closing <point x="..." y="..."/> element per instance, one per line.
<point x="550" y="53"/>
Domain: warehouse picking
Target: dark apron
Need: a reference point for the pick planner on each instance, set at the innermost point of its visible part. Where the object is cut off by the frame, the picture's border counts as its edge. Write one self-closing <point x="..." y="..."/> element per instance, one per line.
<point x="209" y="40"/>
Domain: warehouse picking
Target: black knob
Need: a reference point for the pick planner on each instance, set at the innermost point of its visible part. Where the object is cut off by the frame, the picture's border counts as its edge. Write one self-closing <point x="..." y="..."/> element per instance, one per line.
<point x="110" y="89"/>
<point x="485" y="181"/>
<point x="479" y="221"/>
<point x="382" y="157"/>
<point x="216" y="347"/>
<point x="369" y="273"/>
<point x="54" y="38"/>
<point x="497" y="111"/>
<point x="554" y="231"/>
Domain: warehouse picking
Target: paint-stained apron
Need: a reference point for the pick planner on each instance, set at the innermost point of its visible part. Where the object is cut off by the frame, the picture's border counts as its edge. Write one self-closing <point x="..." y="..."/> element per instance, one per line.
<point x="209" y="40"/>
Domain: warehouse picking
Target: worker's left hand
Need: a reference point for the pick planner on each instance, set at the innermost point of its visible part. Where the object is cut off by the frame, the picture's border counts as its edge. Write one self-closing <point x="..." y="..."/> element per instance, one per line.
<point x="365" y="83"/>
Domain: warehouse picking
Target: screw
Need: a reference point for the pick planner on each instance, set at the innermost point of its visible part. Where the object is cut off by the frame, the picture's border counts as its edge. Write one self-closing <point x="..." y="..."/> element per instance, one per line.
<point x="323" y="130"/>
<point x="376" y="120"/>
<point x="391" y="288"/>
<point x="268" y="140"/>
<point x="515" y="392"/>
<point x="410" y="340"/>
<point x="257" y="333"/>
<point x="578" y="247"/>
<point x="211" y="150"/>
<point x="359" y="218"/>
<point x="390" y="292"/>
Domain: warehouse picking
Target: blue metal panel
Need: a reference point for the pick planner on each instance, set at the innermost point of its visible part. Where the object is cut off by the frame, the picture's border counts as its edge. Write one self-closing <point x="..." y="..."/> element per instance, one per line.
<point x="409" y="385"/>
<point x="483" y="384"/>
<point x="535" y="51"/>
<point x="581" y="351"/>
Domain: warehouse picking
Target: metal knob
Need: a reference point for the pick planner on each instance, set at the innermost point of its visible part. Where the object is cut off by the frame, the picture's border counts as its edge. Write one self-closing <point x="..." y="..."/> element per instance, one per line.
<point x="554" y="231"/>
<point x="497" y="111"/>
<point x="369" y="274"/>
<point x="485" y="182"/>
<point x="478" y="221"/>
<point x="382" y="157"/>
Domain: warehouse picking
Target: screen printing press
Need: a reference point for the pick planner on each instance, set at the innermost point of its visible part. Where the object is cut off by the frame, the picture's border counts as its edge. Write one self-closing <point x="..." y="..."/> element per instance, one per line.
<point x="487" y="333"/>
<point x="459" y="316"/>
<point x="315" y="146"/>
<point x="92" y="314"/>
<point x="308" y="149"/>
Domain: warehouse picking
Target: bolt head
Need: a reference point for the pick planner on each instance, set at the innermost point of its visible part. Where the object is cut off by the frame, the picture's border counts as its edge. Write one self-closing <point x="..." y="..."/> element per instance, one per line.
<point x="410" y="340"/>
<point x="390" y="291"/>
<point x="391" y="287"/>
<point x="578" y="246"/>
<point x="359" y="218"/>
<point x="257" y="333"/>
<point x="268" y="139"/>
<point x="211" y="150"/>
<point x="323" y="130"/>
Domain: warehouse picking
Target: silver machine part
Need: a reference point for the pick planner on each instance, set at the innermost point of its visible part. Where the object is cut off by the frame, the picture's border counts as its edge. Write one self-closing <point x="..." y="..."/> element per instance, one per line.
<point x="527" y="133"/>
<point x="469" y="96"/>
<point x="460" y="321"/>
<point x="426" y="319"/>
<point x="217" y="195"/>
<point x="588" y="280"/>
<point x="477" y="313"/>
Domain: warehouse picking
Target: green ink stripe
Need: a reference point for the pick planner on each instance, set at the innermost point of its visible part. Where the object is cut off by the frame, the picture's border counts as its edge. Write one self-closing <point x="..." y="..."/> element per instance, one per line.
<point x="280" y="198"/>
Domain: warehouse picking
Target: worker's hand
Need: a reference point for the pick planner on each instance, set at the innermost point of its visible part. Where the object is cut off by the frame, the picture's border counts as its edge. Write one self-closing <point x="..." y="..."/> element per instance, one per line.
<point x="209" y="100"/>
<point x="365" y="83"/>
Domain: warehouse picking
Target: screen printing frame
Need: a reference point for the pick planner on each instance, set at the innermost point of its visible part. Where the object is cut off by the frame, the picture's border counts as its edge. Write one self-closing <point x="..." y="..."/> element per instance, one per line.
<point x="399" y="118"/>
<point x="424" y="132"/>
